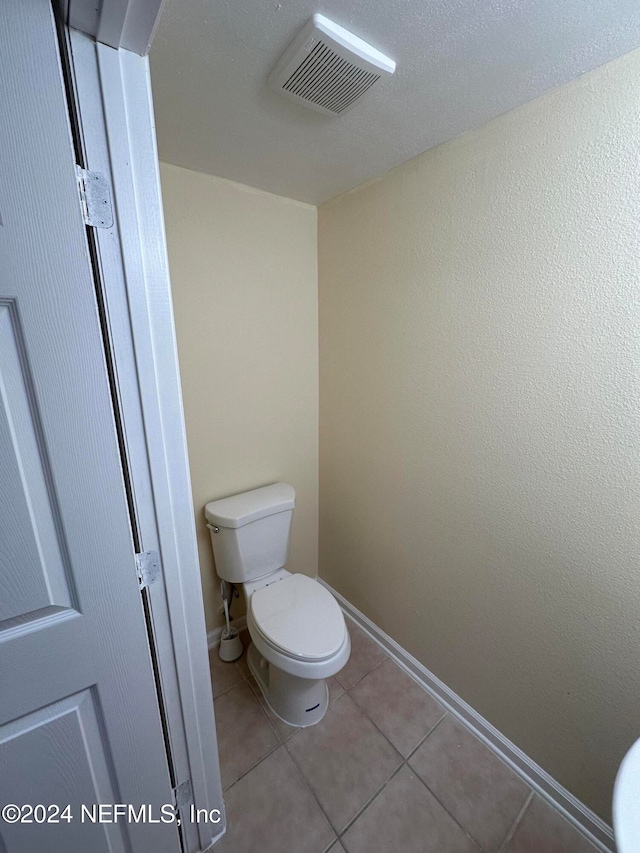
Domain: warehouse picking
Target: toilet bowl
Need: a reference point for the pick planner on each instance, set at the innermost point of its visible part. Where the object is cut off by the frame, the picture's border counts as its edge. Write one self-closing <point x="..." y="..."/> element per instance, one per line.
<point x="298" y="633"/>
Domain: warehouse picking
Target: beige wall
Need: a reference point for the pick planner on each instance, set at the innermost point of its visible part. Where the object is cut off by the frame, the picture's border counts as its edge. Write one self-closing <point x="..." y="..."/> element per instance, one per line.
<point x="244" y="279"/>
<point x="480" y="433"/>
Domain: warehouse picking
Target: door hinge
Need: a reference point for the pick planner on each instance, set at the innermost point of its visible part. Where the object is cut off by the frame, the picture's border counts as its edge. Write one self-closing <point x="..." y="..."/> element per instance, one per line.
<point x="95" y="198"/>
<point x="182" y="794"/>
<point x="148" y="567"/>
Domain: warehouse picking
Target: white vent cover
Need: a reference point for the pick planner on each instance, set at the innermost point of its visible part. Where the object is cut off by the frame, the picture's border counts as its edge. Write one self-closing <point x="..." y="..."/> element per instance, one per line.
<point x="327" y="68"/>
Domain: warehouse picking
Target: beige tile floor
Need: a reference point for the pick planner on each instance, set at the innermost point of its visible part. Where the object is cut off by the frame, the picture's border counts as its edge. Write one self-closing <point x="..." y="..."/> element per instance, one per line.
<point x="386" y="771"/>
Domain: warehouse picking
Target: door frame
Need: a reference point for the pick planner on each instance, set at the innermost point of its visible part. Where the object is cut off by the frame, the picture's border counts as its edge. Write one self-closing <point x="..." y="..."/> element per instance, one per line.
<point x="111" y="94"/>
<point x="129" y="24"/>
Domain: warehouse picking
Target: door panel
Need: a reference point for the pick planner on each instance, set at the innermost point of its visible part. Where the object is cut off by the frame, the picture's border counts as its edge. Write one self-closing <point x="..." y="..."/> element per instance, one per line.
<point x="79" y="719"/>
<point x="29" y="511"/>
<point x="41" y="772"/>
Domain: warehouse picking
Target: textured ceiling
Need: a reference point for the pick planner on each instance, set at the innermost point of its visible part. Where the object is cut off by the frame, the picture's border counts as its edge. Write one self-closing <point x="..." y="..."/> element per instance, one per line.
<point x="460" y="63"/>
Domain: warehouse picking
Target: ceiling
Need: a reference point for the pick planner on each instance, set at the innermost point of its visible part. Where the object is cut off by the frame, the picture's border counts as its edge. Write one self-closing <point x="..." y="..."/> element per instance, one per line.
<point x="459" y="64"/>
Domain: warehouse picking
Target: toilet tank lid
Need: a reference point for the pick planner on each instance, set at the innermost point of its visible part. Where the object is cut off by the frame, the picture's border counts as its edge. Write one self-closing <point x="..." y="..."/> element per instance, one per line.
<point x="238" y="510"/>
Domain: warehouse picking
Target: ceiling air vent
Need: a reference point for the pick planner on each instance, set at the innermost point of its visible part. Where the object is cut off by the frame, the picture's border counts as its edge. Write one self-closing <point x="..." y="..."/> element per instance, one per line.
<point x="327" y="68"/>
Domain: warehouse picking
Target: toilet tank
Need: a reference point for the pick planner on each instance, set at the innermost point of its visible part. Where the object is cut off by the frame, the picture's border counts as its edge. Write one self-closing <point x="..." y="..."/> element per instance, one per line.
<point x="250" y="531"/>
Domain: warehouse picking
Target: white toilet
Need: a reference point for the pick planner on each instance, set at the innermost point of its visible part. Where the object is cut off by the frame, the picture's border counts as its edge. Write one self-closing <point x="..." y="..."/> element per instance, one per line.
<point x="298" y="631"/>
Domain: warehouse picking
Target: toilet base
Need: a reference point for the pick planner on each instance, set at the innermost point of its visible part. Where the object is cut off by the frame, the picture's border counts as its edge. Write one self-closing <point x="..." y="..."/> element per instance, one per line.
<point x="297" y="701"/>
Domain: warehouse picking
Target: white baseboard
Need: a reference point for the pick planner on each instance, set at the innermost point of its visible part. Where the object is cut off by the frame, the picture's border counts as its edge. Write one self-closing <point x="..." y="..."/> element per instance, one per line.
<point x="587" y="822"/>
<point x="213" y="637"/>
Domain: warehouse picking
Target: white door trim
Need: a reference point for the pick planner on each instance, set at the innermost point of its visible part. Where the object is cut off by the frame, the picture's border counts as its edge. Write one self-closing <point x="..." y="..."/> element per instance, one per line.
<point x="115" y="112"/>
<point x="586" y="821"/>
<point x="129" y="24"/>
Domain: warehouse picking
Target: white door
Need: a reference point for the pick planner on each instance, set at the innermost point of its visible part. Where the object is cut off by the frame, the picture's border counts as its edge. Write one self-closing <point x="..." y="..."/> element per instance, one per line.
<point x="79" y="718"/>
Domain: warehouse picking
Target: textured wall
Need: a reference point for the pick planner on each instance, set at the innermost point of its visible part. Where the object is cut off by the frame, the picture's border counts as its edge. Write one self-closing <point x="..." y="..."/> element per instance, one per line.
<point x="480" y="431"/>
<point x="244" y="278"/>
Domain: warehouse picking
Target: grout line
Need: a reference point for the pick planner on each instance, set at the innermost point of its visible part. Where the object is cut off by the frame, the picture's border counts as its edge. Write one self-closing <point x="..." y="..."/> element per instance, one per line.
<point x="338" y="832"/>
<point x="431" y="730"/>
<point x="373" y="723"/>
<point x="235" y="664"/>
<point x="309" y="788"/>
<point x="279" y="743"/>
<point x="335" y="698"/>
<point x="375" y="666"/>
<point x="227" y="689"/>
<point x="364" y="711"/>
<point x="405" y="763"/>
<point x="439" y="801"/>
<point x="253" y="767"/>
<point x="373" y="797"/>
<point x="516" y="823"/>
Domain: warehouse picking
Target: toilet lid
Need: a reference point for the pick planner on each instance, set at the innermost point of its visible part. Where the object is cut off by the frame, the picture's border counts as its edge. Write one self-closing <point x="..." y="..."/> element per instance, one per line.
<point x="299" y="616"/>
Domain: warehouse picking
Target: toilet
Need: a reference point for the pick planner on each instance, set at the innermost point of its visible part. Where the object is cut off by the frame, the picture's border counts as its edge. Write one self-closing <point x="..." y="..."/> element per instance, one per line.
<point x="298" y="634"/>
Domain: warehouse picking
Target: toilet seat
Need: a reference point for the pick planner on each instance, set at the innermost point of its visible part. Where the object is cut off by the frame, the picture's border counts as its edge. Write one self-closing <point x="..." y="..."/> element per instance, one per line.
<point x="299" y="618"/>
